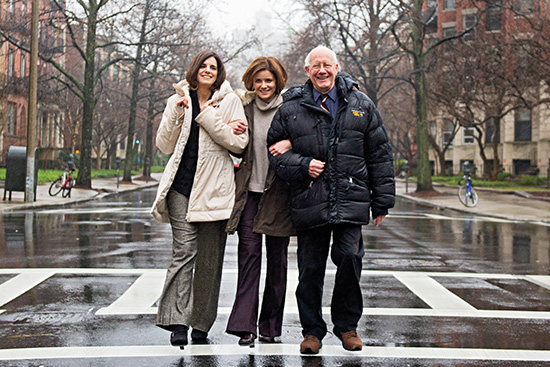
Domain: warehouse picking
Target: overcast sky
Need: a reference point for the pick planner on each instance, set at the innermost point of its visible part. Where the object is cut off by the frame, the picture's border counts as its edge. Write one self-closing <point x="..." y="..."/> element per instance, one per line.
<point x="241" y="14"/>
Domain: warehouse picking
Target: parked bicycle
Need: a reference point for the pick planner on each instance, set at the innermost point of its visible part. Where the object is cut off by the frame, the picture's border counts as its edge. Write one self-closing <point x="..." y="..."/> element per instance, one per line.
<point x="466" y="193"/>
<point x="64" y="183"/>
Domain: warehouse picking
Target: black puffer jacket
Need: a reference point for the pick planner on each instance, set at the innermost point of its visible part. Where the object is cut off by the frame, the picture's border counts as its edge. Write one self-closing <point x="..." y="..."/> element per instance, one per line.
<point x="358" y="174"/>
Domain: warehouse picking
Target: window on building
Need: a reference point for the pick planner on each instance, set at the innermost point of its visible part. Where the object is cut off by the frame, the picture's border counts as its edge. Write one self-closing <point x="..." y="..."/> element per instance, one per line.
<point x="23" y="8"/>
<point x="522" y="125"/>
<point x="11" y="122"/>
<point x="448" y="128"/>
<point x="11" y="62"/>
<point x="122" y="146"/>
<point x="12" y="7"/>
<point x="524" y="6"/>
<point x="493" y="16"/>
<point x="448" y="4"/>
<point x="449" y="31"/>
<point x="490" y="132"/>
<point x="521" y="166"/>
<point x="23" y="65"/>
<point x="449" y="168"/>
<point x="468" y="135"/>
<point x="469" y="21"/>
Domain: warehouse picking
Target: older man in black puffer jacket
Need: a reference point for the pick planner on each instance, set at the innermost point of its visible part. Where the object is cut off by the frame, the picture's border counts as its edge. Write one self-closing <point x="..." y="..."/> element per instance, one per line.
<point x="340" y="170"/>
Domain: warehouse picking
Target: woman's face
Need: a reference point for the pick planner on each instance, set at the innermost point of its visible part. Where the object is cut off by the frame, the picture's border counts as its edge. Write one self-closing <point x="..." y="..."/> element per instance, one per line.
<point x="208" y="72"/>
<point x="264" y="85"/>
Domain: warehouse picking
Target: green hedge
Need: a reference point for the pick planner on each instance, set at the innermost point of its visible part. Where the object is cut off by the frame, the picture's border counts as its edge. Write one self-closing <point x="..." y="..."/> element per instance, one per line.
<point x="45" y="176"/>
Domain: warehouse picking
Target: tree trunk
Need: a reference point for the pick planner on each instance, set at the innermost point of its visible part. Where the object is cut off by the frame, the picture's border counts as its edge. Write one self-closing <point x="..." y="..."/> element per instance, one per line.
<point x="496" y="161"/>
<point x="423" y="171"/>
<point x="84" y="178"/>
<point x="131" y="148"/>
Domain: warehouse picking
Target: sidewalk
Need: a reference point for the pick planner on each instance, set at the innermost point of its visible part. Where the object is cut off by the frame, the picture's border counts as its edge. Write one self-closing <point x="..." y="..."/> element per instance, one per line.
<point x="101" y="187"/>
<point x="492" y="203"/>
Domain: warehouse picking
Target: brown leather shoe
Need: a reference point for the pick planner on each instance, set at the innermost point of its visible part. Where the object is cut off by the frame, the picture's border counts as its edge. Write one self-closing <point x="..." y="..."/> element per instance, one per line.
<point x="310" y="345"/>
<point x="350" y="340"/>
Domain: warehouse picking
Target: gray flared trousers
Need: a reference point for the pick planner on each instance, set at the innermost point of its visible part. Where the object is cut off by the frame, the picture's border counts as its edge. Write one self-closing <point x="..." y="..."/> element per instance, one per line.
<point x="192" y="287"/>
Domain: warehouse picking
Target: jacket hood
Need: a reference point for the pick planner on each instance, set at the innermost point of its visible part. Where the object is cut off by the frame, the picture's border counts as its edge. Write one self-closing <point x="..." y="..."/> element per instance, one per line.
<point x="182" y="89"/>
<point x="343" y="81"/>
<point x="246" y="96"/>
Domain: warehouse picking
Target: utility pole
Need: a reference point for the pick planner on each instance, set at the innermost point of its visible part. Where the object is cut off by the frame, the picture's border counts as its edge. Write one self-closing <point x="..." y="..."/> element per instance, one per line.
<point x="32" y="107"/>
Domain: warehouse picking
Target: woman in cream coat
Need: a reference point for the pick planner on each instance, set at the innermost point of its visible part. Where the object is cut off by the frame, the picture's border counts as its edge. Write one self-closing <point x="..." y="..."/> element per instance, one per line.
<point x="196" y="194"/>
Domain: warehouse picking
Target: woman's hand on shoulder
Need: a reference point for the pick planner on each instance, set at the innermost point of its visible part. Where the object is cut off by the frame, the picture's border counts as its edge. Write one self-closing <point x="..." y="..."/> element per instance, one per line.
<point x="280" y="147"/>
<point x="238" y="126"/>
<point x="182" y="102"/>
<point x="206" y="104"/>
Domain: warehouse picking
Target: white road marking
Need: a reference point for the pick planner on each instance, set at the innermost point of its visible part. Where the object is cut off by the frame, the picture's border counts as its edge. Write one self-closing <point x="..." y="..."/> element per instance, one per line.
<point x="540" y="280"/>
<point x="140" y="297"/>
<point x="143" y="293"/>
<point x="433" y="293"/>
<point x="151" y="351"/>
<point x="16" y="286"/>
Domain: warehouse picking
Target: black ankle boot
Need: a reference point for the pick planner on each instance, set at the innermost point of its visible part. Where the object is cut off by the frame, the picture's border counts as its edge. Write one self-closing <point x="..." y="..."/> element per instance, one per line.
<point x="178" y="338"/>
<point x="198" y="335"/>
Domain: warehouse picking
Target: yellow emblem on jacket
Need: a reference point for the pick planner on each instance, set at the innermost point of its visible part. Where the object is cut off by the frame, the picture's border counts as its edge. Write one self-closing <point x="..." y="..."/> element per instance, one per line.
<point x="357" y="113"/>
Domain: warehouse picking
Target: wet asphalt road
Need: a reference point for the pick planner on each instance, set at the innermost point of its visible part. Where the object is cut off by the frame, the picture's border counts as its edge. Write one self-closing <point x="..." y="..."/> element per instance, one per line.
<point x="78" y="287"/>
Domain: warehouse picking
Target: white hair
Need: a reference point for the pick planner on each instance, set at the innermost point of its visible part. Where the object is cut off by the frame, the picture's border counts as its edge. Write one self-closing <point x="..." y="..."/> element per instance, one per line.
<point x="318" y="48"/>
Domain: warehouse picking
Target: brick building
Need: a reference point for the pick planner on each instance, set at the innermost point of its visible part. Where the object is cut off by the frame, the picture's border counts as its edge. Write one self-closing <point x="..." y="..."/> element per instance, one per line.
<point x="524" y="139"/>
<point x="14" y="79"/>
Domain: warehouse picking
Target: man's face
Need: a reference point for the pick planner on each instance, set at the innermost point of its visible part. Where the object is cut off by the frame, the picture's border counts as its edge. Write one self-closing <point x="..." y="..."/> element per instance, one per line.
<point x="322" y="70"/>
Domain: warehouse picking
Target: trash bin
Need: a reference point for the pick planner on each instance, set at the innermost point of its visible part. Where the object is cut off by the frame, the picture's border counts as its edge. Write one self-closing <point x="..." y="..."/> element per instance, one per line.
<point x="16" y="170"/>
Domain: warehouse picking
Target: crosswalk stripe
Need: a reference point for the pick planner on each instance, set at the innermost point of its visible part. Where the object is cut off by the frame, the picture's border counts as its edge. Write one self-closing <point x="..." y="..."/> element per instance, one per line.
<point x="433" y="293"/>
<point x="18" y="285"/>
<point x="151" y="351"/>
<point x="141" y="296"/>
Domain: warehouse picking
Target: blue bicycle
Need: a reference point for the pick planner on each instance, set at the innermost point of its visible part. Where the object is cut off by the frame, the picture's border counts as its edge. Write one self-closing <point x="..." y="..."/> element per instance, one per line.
<point x="466" y="193"/>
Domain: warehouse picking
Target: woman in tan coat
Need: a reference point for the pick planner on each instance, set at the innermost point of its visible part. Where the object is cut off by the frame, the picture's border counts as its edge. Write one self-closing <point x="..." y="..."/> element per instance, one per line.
<point x="261" y="208"/>
<point x="196" y="194"/>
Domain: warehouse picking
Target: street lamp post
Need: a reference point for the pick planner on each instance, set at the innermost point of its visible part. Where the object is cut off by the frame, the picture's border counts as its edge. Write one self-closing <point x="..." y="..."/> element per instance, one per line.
<point x="32" y="107"/>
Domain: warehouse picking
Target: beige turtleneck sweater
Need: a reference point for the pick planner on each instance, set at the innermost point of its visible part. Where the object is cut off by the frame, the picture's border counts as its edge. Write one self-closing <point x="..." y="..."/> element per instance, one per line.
<point x="263" y="114"/>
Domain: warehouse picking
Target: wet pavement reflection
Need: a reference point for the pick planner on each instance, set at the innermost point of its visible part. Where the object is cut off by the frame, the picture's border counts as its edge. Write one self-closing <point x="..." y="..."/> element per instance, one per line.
<point x="485" y="269"/>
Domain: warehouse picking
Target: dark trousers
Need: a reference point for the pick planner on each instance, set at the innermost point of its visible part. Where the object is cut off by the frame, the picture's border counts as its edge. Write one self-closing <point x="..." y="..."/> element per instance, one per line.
<point x="347" y="301"/>
<point x="244" y="316"/>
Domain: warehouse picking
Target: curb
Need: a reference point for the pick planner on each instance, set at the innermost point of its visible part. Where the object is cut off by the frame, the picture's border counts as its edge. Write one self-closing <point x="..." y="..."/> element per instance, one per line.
<point x="100" y="194"/>
<point x="464" y="211"/>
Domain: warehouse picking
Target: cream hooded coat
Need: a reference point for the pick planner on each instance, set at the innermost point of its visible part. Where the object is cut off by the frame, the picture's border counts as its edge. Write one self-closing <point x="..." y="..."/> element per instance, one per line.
<point x="213" y="192"/>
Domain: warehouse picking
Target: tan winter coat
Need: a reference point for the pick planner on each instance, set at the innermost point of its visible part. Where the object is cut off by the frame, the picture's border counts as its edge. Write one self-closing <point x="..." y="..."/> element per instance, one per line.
<point x="213" y="192"/>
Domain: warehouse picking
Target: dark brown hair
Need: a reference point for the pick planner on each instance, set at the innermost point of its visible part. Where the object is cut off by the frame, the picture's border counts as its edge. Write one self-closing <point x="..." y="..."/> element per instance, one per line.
<point x="266" y="63"/>
<point x="196" y="63"/>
